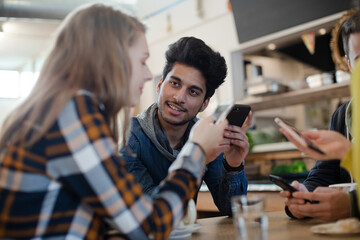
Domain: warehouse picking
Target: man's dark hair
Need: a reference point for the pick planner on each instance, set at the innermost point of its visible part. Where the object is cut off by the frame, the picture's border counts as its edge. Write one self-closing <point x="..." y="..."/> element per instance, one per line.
<point x="351" y="25"/>
<point x="195" y="53"/>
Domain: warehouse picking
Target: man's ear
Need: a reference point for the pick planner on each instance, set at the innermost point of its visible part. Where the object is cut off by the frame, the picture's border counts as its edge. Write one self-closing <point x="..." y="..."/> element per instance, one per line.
<point x="159" y="85"/>
<point x="348" y="62"/>
<point x="205" y="104"/>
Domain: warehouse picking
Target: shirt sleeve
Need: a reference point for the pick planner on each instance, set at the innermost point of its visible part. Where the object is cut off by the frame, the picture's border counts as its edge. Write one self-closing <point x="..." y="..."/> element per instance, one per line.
<point x="337" y="122"/>
<point x="223" y="184"/>
<point x="325" y="173"/>
<point x="93" y="172"/>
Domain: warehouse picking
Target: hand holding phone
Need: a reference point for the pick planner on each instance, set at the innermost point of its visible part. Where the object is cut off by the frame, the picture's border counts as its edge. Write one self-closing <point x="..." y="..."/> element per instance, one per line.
<point x="286" y="186"/>
<point x="300" y="138"/>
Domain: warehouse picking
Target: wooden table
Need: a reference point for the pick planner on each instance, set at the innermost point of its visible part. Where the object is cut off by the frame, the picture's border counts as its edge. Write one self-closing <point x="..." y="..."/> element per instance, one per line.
<point x="274" y="202"/>
<point x="280" y="227"/>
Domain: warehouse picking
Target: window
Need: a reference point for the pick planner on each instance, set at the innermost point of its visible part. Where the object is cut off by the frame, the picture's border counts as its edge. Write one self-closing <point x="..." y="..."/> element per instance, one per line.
<point x="27" y="82"/>
<point x="9" y="84"/>
<point x="16" y="85"/>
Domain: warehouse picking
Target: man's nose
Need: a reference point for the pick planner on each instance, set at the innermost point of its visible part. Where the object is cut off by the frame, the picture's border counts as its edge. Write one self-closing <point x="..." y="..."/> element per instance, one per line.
<point x="179" y="96"/>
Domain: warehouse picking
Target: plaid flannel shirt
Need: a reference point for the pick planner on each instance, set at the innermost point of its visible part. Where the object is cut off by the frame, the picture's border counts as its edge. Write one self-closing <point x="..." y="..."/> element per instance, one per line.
<point x="71" y="182"/>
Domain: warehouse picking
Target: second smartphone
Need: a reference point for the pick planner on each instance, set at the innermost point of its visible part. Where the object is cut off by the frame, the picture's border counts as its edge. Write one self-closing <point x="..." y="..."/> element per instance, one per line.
<point x="238" y="114"/>
<point x="296" y="134"/>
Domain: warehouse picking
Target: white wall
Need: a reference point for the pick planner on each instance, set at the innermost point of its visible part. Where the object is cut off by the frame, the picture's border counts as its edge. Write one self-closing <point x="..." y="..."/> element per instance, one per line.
<point x="6" y="106"/>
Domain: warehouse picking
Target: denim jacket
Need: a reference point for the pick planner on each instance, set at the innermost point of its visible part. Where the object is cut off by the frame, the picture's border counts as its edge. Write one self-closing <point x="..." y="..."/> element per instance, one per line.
<point x="148" y="160"/>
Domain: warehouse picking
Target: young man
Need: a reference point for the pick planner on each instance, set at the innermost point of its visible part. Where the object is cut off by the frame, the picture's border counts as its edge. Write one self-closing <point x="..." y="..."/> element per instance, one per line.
<point x="192" y="73"/>
<point x="329" y="172"/>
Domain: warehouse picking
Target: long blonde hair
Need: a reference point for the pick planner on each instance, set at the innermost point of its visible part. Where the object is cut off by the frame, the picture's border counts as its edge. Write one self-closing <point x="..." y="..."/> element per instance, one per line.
<point x="91" y="53"/>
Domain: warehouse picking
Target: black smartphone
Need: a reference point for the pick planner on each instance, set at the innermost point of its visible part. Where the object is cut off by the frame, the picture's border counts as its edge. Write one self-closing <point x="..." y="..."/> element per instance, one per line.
<point x="286" y="186"/>
<point x="303" y="140"/>
<point x="238" y="114"/>
<point x="282" y="183"/>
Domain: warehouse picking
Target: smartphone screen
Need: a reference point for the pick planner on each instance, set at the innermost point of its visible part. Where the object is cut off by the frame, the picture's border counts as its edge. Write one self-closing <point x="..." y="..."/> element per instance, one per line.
<point x="222" y="111"/>
<point x="238" y="114"/>
<point x="303" y="140"/>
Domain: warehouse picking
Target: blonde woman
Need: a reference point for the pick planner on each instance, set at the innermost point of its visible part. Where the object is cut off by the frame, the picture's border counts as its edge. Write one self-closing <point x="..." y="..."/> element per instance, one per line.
<point x="60" y="176"/>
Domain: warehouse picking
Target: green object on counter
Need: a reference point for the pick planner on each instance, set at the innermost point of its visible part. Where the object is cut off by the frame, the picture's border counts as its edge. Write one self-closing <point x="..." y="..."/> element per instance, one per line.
<point x="297" y="167"/>
<point x="262" y="138"/>
<point x="279" y="169"/>
<point x="251" y="141"/>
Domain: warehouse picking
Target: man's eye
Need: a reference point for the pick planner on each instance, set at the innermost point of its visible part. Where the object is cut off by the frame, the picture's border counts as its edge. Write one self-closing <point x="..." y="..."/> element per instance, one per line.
<point x="193" y="92"/>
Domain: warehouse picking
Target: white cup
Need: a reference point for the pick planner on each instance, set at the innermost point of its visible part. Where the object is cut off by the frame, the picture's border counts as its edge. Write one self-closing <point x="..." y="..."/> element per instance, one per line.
<point x="249" y="217"/>
<point x="344" y="187"/>
<point x="190" y="215"/>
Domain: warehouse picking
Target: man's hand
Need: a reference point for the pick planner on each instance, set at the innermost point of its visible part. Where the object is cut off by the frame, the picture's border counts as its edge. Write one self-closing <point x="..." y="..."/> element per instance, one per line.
<point x="248" y="121"/>
<point x="289" y="200"/>
<point x="332" y="143"/>
<point x="239" y="144"/>
<point x="333" y="205"/>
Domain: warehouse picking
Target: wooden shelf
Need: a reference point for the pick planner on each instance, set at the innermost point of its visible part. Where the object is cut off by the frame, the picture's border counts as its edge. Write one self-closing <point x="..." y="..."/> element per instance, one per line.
<point x="307" y="95"/>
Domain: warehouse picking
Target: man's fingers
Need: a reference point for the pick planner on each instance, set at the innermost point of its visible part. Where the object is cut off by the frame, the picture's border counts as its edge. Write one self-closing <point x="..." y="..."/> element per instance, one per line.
<point x="295" y="184"/>
<point x="313" y="196"/>
<point x="235" y="135"/>
<point x="306" y="209"/>
<point x="285" y="194"/>
<point x="235" y="129"/>
<point x="320" y="211"/>
<point x="248" y="121"/>
<point x="313" y="135"/>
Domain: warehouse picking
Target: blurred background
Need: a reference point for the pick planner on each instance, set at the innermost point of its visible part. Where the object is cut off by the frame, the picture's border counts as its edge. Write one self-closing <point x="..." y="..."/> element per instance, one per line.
<point x="278" y="53"/>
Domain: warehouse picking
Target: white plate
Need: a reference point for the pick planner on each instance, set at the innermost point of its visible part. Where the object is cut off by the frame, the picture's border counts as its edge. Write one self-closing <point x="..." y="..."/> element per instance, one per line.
<point x="185" y="231"/>
<point x="329" y="228"/>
